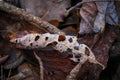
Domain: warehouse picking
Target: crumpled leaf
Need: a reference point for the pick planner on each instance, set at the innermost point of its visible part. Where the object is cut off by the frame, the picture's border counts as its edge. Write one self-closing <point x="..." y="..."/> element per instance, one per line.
<point x="88" y="13"/>
<point x="25" y="72"/>
<point x="53" y="9"/>
<point x="99" y="23"/>
<point x="106" y="13"/>
<point x="111" y="14"/>
<point x="96" y="22"/>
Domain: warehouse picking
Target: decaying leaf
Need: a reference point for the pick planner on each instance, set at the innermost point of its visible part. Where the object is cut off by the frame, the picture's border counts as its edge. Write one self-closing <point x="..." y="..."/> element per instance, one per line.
<point x="88" y="13"/>
<point x="14" y="60"/>
<point x="25" y="72"/>
<point x="95" y="15"/>
<point x="70" y="30"/>
<point x="99" y="23"/>
<point x="106" y="14"/>
<point x="111" y="14"/>
<point x="62" y="43"/>
<point x="56" y="9"/>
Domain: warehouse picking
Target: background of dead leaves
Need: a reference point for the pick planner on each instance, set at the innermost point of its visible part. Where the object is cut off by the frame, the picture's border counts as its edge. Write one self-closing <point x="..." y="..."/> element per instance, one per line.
<point x="56" y="66"/>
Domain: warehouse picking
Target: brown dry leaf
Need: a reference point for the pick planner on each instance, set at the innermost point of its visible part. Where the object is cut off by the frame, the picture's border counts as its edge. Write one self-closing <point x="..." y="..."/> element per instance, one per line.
<point x="70" y="31"/>
<point x="25" y="72"/>
<point x="72" y="20"/>
<point x="88" y="13"/>
<point x="5" y="47"/>
<point x="54" y="22"/>
<point x="56" y="9"/>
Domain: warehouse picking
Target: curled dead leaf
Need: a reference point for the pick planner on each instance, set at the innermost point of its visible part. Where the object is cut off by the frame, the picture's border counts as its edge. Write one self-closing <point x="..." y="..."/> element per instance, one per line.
<point x="88" y="14"/>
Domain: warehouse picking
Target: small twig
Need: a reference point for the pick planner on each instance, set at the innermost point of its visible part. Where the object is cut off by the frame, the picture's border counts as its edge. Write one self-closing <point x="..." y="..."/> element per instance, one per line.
<point x="41" y="66"/>
<point x="74" y="72"/>
<point x="45" y="15"/>
<point x="86" y="1"/>
<point x="34" y="20"/>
